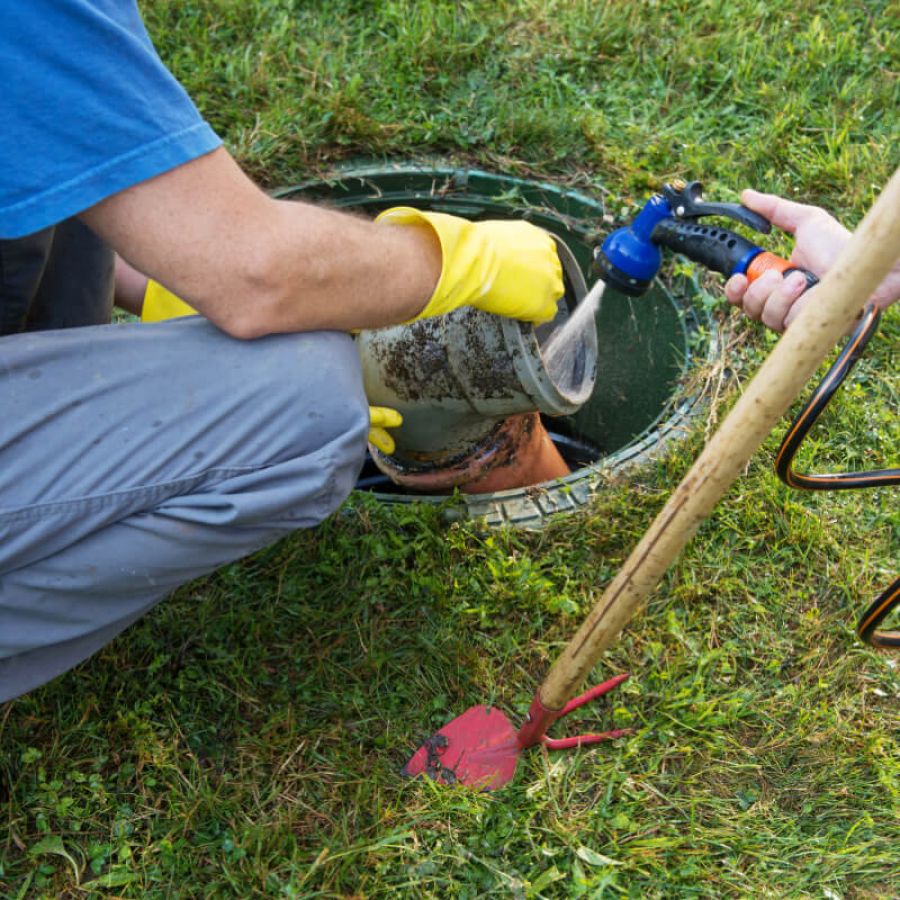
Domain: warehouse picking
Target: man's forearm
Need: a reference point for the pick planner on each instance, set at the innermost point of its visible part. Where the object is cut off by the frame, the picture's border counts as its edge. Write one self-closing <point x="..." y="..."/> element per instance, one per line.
<point x="254" y="265"/>
<point x="350" y="272"/>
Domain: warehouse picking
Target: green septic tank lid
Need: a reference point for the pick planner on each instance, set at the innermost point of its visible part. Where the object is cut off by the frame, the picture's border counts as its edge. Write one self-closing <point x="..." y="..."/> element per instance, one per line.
<point x="646" y="346"/>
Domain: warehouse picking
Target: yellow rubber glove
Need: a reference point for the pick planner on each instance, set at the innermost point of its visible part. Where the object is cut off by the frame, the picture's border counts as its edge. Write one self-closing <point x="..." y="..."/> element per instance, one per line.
<point x="508" y="268"/>
<point x="160" y="304"/>
<point x="380" y="419"/>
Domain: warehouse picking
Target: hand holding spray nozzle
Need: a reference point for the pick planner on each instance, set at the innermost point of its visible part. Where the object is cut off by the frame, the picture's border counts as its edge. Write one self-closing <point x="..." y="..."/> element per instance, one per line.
<point x="630" y="257"/>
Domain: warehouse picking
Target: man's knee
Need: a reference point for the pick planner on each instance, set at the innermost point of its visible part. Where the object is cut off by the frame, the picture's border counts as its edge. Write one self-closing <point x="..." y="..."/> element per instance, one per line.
<point x="319" y="379"/>
<point x="306" y="423"/>
<point x="277" y="396"/>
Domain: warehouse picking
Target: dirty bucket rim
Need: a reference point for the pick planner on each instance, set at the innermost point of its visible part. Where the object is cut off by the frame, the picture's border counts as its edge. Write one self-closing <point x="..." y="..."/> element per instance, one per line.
<point x="550" y="397"/>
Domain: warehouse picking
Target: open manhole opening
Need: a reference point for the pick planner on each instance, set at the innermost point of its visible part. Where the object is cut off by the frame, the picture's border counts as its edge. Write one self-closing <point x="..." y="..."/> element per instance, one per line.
<point x="647" y="347"/>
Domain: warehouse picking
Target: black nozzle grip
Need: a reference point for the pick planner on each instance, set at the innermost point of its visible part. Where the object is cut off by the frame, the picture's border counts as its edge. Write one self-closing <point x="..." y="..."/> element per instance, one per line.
<point x="716" y="248"/>
<point x="811" y="280"/>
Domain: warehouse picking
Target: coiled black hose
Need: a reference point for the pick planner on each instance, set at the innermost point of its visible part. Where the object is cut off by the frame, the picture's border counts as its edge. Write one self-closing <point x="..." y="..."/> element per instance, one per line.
<point x="886" y="601"/>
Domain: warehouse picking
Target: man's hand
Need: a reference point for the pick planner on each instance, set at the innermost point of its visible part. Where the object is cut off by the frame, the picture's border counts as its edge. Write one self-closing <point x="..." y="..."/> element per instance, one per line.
<point x="380" y="419"/>
<point x="160" y="304"/>
<point x="776" y="301"/>
<point x="508" y="268"/>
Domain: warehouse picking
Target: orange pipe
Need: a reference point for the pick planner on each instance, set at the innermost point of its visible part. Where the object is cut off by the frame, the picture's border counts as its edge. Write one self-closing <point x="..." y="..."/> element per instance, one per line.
<point x="533" y="459"/>
<point x="518" y="453"/>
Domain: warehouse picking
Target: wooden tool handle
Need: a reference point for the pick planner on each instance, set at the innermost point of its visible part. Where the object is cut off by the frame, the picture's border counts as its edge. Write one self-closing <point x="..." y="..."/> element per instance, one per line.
<point x="865" y="260"/>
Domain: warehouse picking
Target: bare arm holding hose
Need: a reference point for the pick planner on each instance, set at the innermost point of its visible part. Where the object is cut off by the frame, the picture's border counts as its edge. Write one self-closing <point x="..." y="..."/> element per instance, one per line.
<point x="776" y="301"/>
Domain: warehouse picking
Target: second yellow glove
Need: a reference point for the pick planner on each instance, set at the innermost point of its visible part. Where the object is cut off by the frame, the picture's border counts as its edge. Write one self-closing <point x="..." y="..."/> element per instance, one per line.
<point x="160" y="304"/>
<point x="508" y="268"/>
<point x="380" y="419"/>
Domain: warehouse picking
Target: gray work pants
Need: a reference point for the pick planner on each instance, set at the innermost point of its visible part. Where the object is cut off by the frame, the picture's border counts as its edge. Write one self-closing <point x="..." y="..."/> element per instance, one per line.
<point x="134" y="458"/>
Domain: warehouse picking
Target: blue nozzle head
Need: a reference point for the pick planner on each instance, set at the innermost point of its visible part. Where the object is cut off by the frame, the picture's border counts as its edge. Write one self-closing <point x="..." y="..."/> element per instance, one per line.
<point x="628" y="260"/>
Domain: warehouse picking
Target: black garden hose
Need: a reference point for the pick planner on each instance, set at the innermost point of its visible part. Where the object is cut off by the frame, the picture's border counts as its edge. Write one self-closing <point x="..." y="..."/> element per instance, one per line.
<point x="886" y="601"/>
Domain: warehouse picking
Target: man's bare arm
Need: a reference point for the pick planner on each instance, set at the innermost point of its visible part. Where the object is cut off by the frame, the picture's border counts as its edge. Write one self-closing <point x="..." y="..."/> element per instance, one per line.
<point x="254" y="265"/>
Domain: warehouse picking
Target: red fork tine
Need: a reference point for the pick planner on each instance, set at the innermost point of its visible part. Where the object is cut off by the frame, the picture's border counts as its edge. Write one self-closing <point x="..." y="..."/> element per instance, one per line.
<point x="481" y="748"/>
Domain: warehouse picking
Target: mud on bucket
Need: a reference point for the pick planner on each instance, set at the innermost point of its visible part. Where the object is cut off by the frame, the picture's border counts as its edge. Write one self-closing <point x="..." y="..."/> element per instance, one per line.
<point x="469" y="386"/>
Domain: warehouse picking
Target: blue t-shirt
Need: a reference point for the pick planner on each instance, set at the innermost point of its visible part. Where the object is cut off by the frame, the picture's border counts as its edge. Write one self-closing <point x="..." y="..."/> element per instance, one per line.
<point x="86" y="109"/>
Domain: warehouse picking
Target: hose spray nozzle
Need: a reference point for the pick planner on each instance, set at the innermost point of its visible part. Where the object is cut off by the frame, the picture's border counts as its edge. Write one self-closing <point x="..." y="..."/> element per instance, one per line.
<point x="630" y="257"/>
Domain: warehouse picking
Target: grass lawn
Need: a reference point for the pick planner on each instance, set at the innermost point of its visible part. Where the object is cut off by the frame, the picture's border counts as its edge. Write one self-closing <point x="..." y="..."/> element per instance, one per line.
<point x="245" y="738"/>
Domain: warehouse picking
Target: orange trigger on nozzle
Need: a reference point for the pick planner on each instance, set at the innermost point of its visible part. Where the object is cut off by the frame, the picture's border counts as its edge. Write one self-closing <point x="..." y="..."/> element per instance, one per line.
<point x="762" y="262"/>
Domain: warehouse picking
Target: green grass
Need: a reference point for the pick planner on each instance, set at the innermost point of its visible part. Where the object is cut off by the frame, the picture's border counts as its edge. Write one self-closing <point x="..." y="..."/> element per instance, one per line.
<point x="245" y="738"/>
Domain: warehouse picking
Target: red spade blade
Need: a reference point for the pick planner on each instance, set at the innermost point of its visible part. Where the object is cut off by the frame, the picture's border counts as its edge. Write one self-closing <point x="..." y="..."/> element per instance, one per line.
<point x="478" y="749"/>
